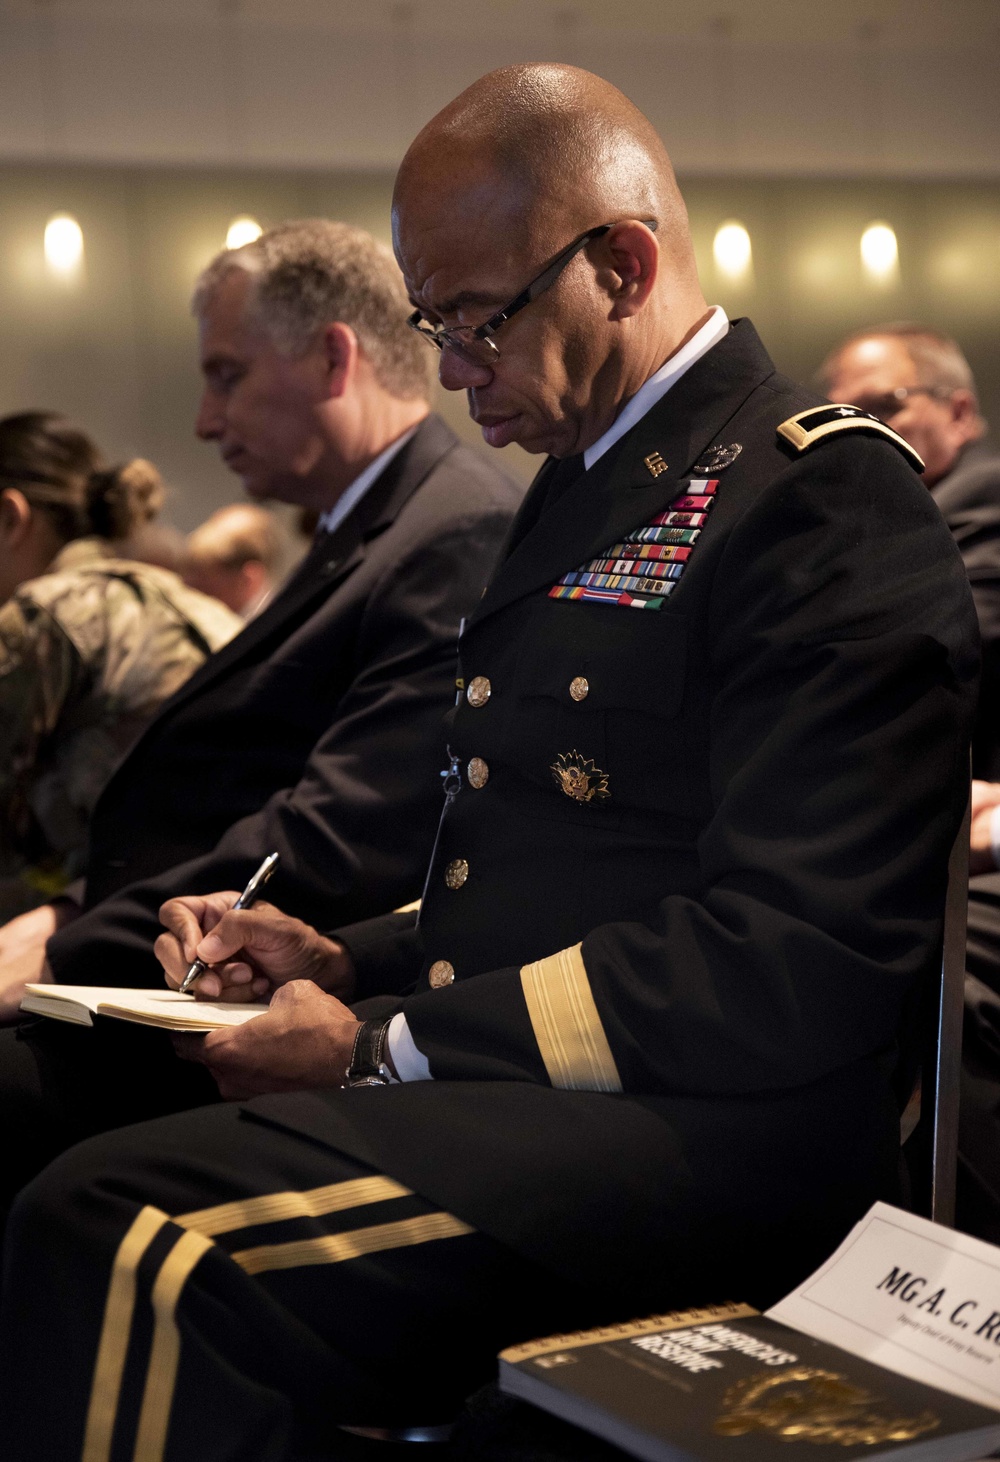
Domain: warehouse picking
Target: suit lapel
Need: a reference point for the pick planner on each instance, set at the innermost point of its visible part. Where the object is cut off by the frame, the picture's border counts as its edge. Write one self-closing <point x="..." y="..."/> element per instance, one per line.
<point x="620" y="492"/>
<point x="330" y="560"/>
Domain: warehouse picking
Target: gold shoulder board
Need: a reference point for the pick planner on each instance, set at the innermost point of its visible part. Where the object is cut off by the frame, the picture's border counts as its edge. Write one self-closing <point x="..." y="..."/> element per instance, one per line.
<point x="809" y="428"/>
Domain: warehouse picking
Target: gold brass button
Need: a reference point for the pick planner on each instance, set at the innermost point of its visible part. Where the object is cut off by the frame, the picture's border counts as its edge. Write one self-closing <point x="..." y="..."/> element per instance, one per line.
<point x="479" y="691"/>
<point x="478" y="772"/>
<point x="456" y="873"/>
<point x="579" y="688"/>
<point x="441" y="973"/>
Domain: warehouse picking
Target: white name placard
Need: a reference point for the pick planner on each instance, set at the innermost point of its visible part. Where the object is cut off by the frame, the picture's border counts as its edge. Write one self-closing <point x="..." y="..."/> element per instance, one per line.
<point x="911" y="1296"/>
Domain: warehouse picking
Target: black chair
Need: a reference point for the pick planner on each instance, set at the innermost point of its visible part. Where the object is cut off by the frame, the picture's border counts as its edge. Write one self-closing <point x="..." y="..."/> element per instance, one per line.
<point x="931" y="1152"/>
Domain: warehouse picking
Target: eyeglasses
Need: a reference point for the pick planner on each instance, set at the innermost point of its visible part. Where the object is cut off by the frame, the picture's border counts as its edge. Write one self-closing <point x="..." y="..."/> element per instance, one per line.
<point x="474" y="343"/>
<point x="889" y="403"/>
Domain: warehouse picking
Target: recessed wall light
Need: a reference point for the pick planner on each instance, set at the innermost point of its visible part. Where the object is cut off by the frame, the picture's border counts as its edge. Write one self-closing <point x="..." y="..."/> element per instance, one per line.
<point x="242" y="231"/>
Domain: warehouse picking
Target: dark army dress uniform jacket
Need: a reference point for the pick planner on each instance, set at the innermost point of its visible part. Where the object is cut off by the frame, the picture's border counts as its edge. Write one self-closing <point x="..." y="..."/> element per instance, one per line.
<point x="689" y="889"/>
<point x="316" y="732"/>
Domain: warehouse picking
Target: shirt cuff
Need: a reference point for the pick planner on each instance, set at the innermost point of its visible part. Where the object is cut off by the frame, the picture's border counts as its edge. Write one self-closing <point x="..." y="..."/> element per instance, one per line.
<point x="995" y="834"/>
<point x="410" y="1063"/>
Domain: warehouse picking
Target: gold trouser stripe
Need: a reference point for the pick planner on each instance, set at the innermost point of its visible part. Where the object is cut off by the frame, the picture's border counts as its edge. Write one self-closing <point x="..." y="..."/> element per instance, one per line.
<point x="115" y="1334"/>
<point x="567" y="1027"/>
<point x="161" y="1375"/>
<point x="408" y="908"/>
<point x="276" y="1207"/>
<point x="164" y="1357"/>
<point x="335" y="1248"/>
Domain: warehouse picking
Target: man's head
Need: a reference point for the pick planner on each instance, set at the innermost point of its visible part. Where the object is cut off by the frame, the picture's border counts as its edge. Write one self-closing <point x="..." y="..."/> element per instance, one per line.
<point x="916" y="381"/>
<point x="490" y="193"/>
<point x="235" y="555"/>
<point x="309" y="367"/>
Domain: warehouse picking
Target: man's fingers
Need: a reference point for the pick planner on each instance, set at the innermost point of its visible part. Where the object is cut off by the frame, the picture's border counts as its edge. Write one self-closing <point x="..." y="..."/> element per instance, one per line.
<point x="189" y="919"/>
<point x="236" y="983"/>
<point x="171" y="956"/>
<point x="262" y="928"/>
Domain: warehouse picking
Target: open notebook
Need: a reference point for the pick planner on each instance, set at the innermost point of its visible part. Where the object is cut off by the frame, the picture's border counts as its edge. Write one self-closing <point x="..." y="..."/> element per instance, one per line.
<point x="167" y="1009"/>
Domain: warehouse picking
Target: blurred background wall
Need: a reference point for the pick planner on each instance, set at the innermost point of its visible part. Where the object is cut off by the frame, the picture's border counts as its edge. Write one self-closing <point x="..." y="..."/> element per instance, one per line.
<point x="156" y="123"/>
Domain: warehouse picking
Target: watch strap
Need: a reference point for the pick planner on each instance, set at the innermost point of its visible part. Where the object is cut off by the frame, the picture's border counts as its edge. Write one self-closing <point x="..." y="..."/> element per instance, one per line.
<point x="368" y="1066"/>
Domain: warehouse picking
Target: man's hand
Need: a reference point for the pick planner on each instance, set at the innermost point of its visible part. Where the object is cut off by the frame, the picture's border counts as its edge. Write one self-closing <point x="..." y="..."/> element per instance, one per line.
<point x="303" y="1043"/>
<point x="985" y="796"/>
<point x="22" y="953"/>
<point x="250" y="952"/>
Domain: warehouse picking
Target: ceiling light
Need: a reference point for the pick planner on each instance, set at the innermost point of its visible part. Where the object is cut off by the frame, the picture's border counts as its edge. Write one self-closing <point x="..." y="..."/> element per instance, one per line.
<point x="880" y="253"/>
<point x="731" y="250"/>
<point x="242" y="231"/>
<point x="63" y="244"/>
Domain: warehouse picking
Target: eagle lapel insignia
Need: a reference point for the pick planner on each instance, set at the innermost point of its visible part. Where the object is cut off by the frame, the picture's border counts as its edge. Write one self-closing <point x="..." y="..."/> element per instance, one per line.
<point x="579" y="778"/>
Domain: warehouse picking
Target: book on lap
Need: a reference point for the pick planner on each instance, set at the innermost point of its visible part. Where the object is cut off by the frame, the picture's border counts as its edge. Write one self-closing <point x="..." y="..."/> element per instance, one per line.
<point x="891" y="1349"/>
<point x="165" y="1009"/>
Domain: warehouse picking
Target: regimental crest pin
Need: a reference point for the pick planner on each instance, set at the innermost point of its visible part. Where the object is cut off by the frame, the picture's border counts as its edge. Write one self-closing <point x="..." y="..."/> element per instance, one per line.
<point x="717" y="459"/>
<point x="579" y="778"/>
<point x="655" y="463"/>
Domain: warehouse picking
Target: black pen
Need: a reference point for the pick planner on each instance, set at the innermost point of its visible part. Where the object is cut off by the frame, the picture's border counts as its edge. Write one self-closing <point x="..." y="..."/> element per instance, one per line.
<point x="244" y="901"/>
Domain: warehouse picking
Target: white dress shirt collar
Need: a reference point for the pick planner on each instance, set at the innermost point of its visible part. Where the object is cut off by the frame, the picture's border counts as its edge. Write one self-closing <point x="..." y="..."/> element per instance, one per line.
<point x="351" y="496"/>
<point x="715" y="327"/>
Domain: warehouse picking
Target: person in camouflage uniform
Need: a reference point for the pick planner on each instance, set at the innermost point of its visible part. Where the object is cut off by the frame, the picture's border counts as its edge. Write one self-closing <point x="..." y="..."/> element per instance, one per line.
<point x="91" y="644"/>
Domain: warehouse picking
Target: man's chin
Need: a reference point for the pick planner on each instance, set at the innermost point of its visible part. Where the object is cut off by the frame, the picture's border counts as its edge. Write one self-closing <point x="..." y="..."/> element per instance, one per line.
<point x="517" y="431"/>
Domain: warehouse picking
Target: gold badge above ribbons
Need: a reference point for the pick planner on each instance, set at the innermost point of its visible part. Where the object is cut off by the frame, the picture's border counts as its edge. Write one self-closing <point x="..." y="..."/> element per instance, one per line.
<point x="579" y="778"/>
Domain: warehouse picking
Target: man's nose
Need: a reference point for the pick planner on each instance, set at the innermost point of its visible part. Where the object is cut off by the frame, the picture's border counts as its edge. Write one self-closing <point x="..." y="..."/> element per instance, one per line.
<point x="458" y="374"/>
<point x="208" y="422"/>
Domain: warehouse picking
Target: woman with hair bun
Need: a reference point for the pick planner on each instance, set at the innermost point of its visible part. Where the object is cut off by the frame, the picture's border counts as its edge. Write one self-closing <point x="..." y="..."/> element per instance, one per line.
<point x="91" y="644"/>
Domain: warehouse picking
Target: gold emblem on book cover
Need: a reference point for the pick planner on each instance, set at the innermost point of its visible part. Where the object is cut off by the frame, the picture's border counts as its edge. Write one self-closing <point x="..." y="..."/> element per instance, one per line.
<point x="807" y="1405"/>
<point x="579" y="778"/>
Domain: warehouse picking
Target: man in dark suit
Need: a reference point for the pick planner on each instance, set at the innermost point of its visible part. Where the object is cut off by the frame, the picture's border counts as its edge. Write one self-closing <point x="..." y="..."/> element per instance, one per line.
<point x="919" y="382"/>
<point x="317" y="733"/>
<point x="705" y="772"/>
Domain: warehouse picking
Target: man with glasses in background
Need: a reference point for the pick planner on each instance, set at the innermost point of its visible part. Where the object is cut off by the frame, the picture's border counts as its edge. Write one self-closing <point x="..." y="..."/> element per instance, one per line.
<point x="919" y="382"/>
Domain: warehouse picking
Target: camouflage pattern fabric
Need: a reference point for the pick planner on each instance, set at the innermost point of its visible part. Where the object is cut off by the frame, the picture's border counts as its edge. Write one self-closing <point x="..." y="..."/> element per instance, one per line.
<point x="88" y="654"/>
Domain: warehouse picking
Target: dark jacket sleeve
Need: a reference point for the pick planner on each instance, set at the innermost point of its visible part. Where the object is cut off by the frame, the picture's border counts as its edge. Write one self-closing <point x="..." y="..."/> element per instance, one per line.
<point x="387" y="952"/>
<point x="970" y="502"/>
<point x="355" y="832"/>
<point x="843" y="647"/>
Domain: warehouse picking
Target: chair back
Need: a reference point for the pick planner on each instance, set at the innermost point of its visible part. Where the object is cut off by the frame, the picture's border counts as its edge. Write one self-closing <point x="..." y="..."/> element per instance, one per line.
<point x="932" y="1152"/>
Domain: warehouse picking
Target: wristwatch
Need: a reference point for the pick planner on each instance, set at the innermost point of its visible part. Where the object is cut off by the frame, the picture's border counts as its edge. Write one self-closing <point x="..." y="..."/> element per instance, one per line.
<point x="368" y="1067"/>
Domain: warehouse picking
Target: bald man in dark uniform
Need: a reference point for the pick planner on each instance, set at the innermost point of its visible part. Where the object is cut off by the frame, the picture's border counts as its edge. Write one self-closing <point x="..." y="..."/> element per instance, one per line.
<point x="648" y="1043"/>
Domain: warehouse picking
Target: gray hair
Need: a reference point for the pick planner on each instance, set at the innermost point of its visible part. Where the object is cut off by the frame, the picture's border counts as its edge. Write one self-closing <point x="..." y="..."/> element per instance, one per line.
<point x="311" y="273"/>
<point x="938" y="359"/>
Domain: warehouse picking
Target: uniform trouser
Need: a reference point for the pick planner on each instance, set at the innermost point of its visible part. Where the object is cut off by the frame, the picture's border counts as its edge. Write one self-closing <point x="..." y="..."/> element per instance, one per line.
<point x="60" y="1083"/>
<point x="208" y="1286"/>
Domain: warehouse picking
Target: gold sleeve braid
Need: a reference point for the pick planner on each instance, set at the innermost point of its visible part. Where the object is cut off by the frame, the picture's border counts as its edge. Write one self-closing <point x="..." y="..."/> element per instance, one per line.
<point x="566" y="1023"/>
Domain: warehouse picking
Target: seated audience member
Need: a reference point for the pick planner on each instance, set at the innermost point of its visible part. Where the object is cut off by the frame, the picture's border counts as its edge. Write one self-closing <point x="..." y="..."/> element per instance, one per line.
<point x="91" y="643"/>
<point x="317" y="732"/>
<point x="686" y="891"/>
<point x="919" y="383"/>
<point x="235" y="556"/>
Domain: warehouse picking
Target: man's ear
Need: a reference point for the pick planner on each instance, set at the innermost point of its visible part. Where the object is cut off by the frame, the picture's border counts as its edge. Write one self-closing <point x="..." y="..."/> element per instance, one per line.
<point x="340" y="349"/>
<point x="15" y="517"/>
<point x="965" y="419"/>
<point x="634" y="258"/>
